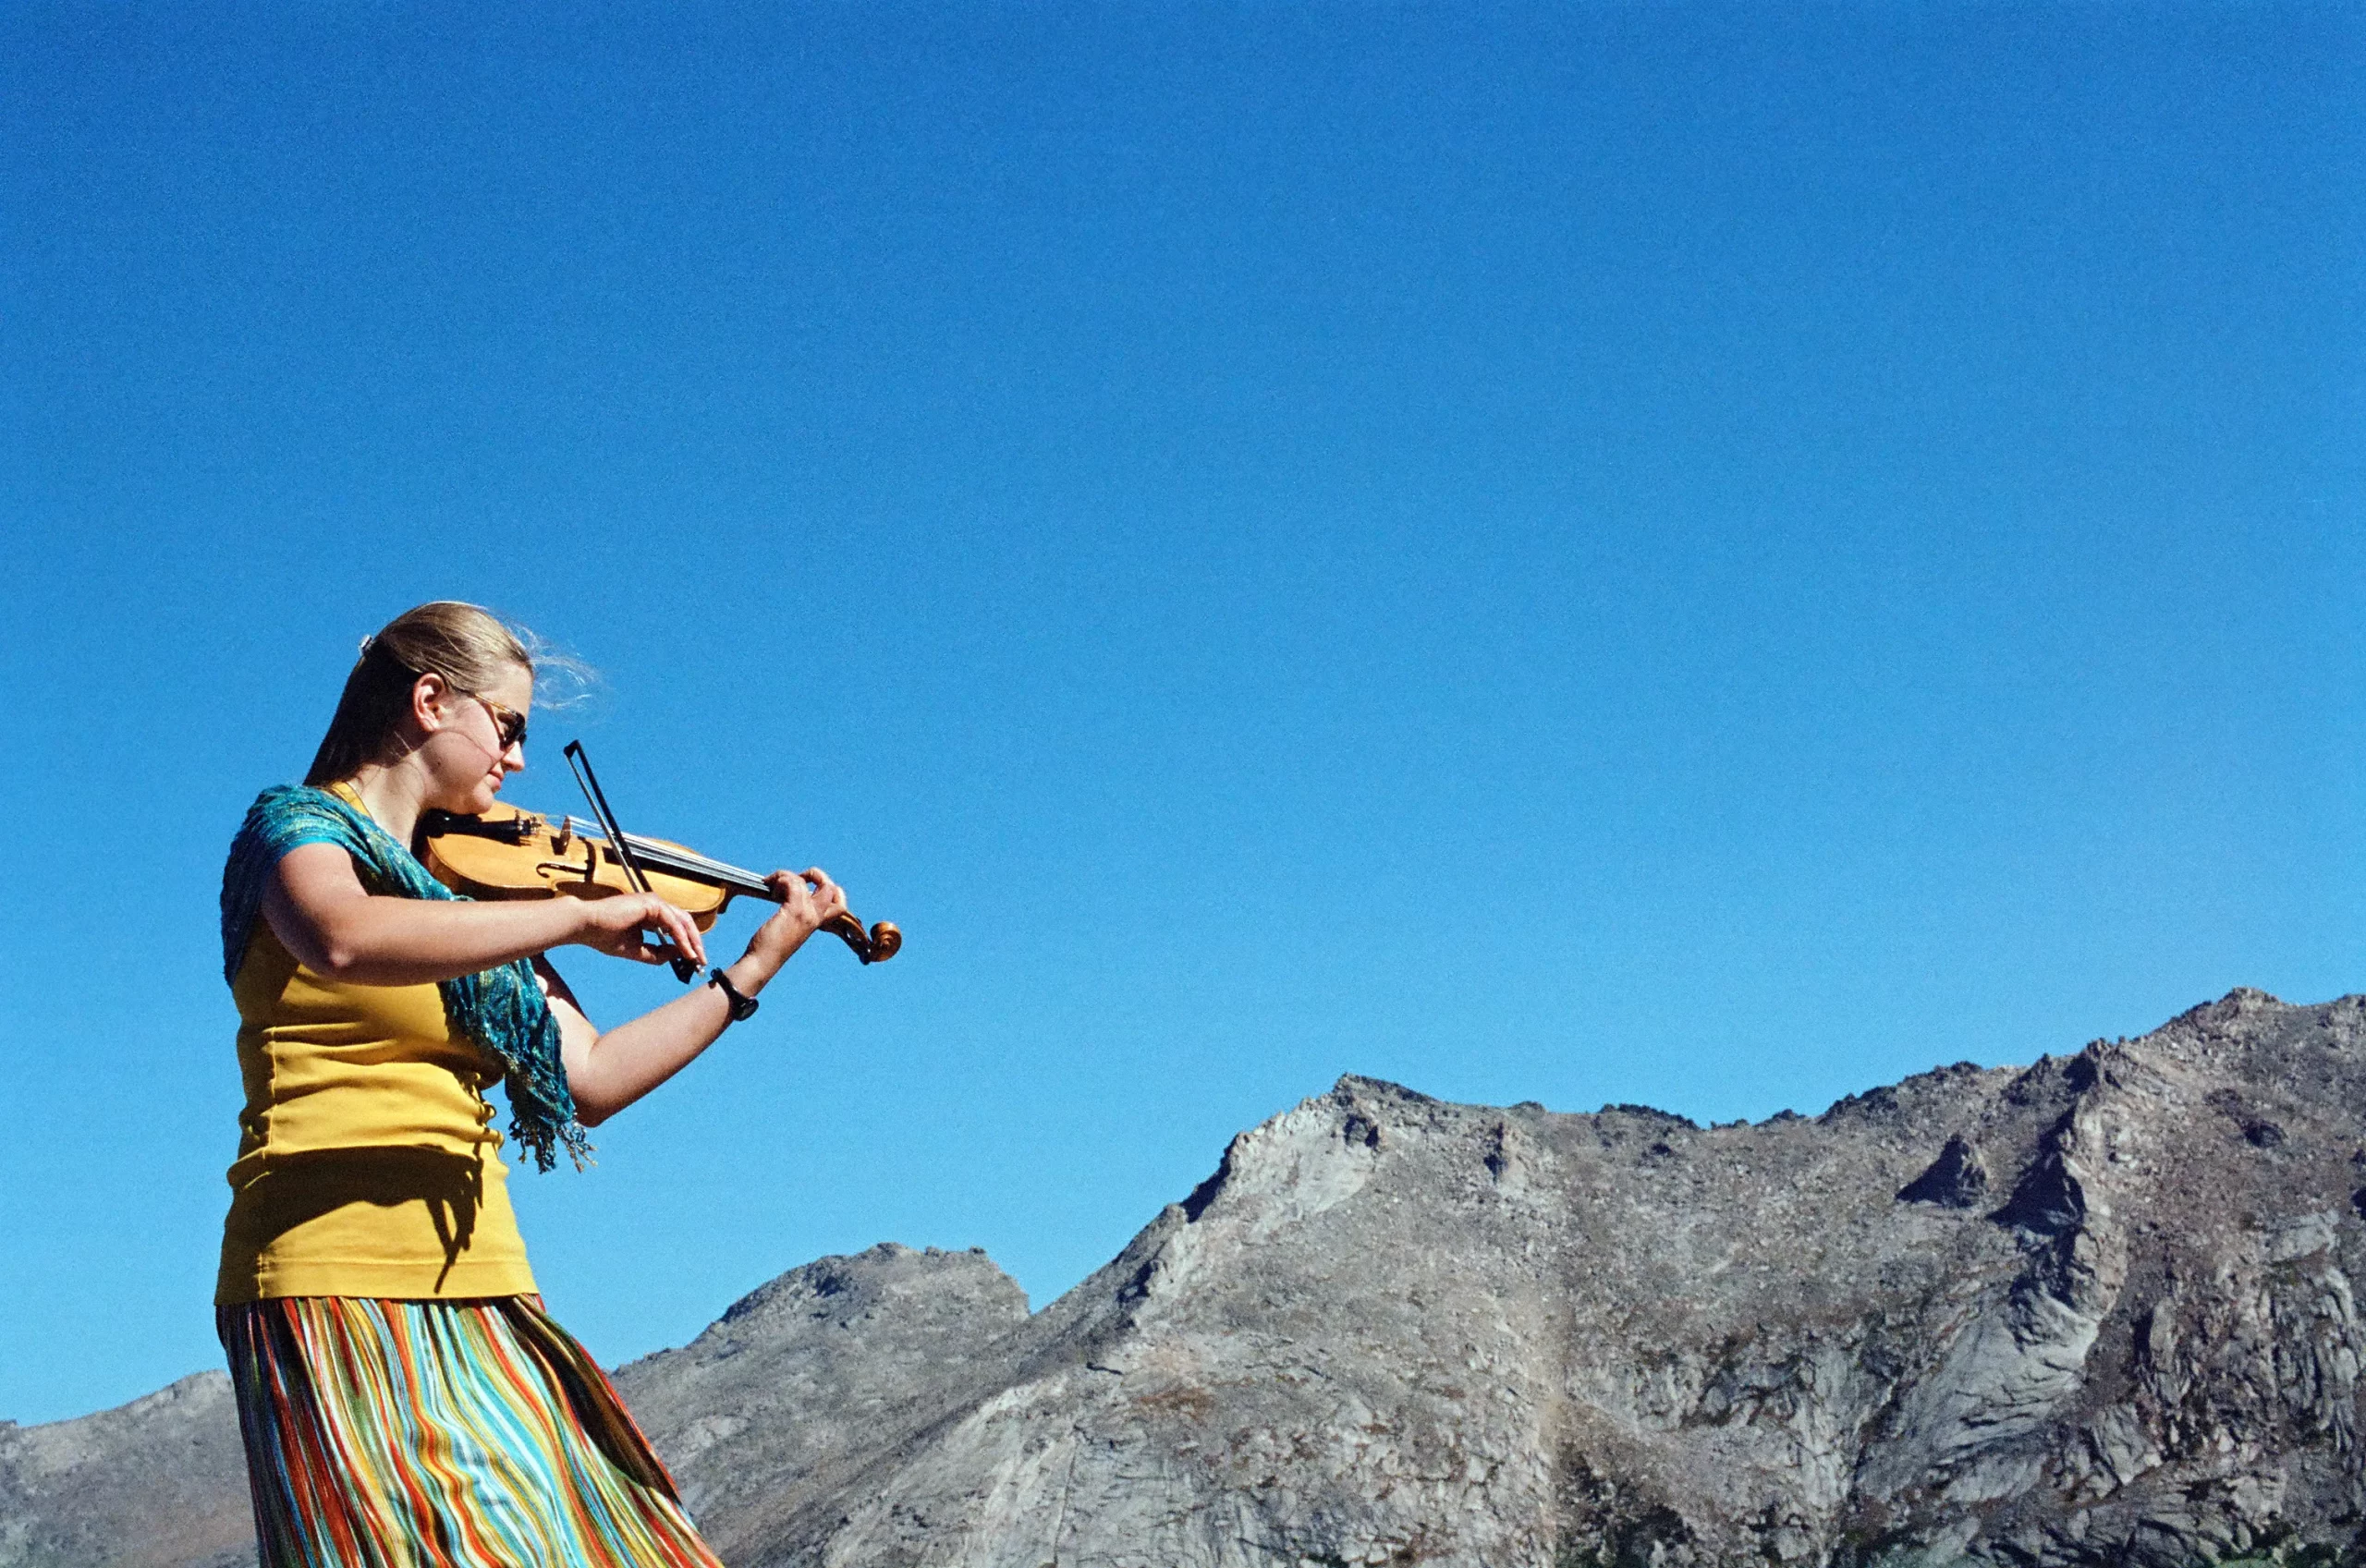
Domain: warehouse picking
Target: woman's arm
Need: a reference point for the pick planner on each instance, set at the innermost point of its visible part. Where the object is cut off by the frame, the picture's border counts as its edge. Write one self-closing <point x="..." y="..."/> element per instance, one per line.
<point x="607" y="1071"/>
<point x="319" y="911"/>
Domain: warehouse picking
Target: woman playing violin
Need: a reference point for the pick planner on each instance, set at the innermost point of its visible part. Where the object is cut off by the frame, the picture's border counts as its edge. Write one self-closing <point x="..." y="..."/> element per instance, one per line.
<point x="402" y="1396"/>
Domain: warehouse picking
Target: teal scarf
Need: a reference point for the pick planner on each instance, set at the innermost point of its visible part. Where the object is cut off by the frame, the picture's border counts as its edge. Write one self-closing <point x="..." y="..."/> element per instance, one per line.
<point x="502" y="1009"/>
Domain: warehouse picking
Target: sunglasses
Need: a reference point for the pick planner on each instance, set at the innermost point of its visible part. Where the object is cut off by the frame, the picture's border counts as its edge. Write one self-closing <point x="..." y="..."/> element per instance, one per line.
<point x="507" y="722"/>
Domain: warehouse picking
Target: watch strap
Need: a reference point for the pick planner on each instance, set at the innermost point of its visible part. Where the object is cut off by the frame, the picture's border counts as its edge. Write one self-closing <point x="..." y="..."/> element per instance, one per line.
<point x="743" y="1007"/>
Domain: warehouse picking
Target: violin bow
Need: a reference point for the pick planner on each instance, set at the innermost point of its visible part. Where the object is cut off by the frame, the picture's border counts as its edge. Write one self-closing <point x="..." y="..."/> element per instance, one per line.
<point x="588" y="782"/>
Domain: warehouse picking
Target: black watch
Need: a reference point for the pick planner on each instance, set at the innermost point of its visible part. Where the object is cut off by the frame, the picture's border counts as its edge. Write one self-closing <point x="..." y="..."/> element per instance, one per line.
<point x="743" y="1007"/>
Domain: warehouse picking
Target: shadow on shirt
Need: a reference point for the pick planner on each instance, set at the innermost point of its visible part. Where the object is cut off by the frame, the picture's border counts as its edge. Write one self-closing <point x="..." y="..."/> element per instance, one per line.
<point x="302" y="1187"/>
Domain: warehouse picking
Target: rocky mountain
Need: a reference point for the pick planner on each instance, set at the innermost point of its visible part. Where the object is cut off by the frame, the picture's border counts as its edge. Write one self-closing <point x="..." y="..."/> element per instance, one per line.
<point x="2095" y="1311"/>
<point x="158" y="1483"/>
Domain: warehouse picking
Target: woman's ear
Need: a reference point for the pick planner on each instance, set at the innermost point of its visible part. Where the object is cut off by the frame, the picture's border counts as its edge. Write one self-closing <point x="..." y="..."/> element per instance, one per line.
<point x="429" y="694"/>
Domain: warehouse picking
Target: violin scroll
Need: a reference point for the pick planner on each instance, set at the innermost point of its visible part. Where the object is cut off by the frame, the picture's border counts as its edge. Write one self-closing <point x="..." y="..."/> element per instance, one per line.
<point x="877" y="945"/>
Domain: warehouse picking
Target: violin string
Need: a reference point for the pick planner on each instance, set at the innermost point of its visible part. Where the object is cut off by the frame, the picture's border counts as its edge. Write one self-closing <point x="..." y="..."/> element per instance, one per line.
<point x="670" y="857"/>
<point x="689" y="857"/>
<point x="660" y="855"/>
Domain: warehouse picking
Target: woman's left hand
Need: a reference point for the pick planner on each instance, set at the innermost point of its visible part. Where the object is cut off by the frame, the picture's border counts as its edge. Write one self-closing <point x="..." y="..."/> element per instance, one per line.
<point x="808" y="900"/>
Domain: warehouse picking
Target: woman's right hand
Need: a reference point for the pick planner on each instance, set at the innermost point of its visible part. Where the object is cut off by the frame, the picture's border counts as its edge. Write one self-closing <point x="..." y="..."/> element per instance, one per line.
<point x="617" y="924"/>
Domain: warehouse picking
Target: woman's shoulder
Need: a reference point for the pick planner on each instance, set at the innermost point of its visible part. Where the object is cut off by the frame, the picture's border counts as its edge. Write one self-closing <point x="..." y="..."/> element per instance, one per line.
<point x="287" y="815"/>
<point x="283" y="817"/>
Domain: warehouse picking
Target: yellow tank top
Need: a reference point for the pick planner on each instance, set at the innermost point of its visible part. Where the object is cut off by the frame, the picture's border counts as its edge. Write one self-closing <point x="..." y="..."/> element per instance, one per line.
<point x="368" y="1160"/>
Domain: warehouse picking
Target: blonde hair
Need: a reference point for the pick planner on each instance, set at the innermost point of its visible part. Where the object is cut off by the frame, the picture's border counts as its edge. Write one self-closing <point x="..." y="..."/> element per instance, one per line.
<point x="469" y="646"/>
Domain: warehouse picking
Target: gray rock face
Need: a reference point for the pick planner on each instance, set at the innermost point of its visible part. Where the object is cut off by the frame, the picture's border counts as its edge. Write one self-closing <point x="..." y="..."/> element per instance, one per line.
<point x="803" y="1383"/>
<point x="158" y="1483"/>
<point x="2098" y="1311"/>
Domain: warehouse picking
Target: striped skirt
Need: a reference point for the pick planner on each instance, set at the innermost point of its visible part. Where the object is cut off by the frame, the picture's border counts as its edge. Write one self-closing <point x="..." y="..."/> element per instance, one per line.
<point x="434" y="1434"/>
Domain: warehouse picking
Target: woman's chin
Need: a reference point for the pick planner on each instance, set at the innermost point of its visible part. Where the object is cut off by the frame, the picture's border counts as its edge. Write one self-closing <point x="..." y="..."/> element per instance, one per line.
<point x="472" y="802"/>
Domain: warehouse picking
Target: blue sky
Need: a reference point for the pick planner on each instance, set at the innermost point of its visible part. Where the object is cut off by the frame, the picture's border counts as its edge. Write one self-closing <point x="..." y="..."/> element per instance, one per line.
<point x="1700" y="555"/>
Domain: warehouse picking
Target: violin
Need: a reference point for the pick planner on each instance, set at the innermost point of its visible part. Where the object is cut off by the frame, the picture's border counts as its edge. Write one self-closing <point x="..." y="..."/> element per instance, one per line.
<point x="510" y="853"/>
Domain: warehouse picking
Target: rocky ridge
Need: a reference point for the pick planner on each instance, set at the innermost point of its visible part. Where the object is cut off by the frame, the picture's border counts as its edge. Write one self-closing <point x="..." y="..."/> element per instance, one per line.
<point x="2095" y="1311"/>
<point x="157" y="1483"/>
